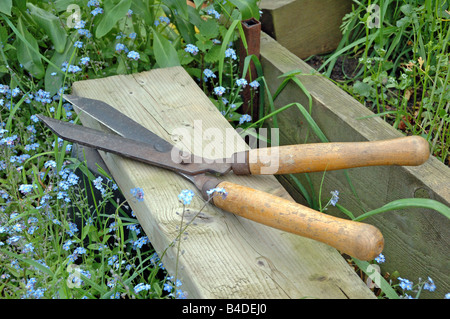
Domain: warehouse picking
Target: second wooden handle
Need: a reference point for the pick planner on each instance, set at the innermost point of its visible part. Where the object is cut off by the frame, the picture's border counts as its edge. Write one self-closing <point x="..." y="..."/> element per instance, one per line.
<point x="359" y="240"/>
<point x="316" y="157"/>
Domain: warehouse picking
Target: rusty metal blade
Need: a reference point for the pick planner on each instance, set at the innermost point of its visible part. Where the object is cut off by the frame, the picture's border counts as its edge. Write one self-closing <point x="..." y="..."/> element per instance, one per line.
<point x="124" y="126"/>
<point x="130" y="148"/>
<point x="118" y="122"/>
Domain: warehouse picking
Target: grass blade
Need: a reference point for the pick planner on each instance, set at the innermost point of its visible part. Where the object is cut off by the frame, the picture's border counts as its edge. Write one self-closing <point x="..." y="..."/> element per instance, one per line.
<point x="408" y="203"/>
<point x="376" y="277"/>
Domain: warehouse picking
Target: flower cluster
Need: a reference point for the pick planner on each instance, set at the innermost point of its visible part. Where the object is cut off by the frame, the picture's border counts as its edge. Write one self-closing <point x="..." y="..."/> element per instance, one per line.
<point x="137" y="193"/>
<point x="334" y="197"/>
<point x="186" y="196"/>
<point x="190" y="48"/>
<point x="104" y="187"/>
<point x="230" y="53"/>
<point x="245" y="118"/>
<point x="408" y="286"/>
<point x="173" y="288"/>
<point x="163" y="20"/>
<point x="32" y="291"/>
<point x="219" y="90"/>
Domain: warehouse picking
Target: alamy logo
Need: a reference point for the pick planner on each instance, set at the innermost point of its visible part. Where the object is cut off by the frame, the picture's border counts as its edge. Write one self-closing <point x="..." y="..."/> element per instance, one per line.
<point x="373" y="21"/>
<point x="74" y="279"/>
<point x="374" y="276"/>
<point x="75" y="17"/>
<point x="211" y="143"/>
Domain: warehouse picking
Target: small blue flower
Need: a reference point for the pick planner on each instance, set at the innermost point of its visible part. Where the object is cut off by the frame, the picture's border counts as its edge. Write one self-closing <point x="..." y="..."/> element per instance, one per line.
<point x="140" y="242"/>
<point x="162" y="19"/>
<point x="380" y="259"/>
<point x="133" y="55"/>
<point x="167" y="287"/>
<point x="140" y="287"/>
<point x="66" y="245"/>
<point x="50" y="163"/>
<point x="245" y="118"/>
<point x="80" y="24"/>
<point x="405" y="284"/>
<point x="230" y="53"/>
<point x="85" y="32"/>
<point x="93" y="3"/>
<point x="72" y="229"/>
<point x="26" y="188"/>
<point x="209" y="74"/>
<point x="121" y="47"/>
<point x="78" y="44"/>
<point x="85" y="60"/>
<point x="214" y="13"/>
<point x="96" y="11"/>
<point x="13" y="240"/>
<point x="80" y="250"/>
<point x="15" y="92"/>
<point x="190" y="48"/>
<point x="335" y="197"/>
<point x="9" y="140"/>
<point x="32" y="229"/>
<point x="138" y="193"/>
<point x="241" y="82"/>
<point x="254" y="84"/>
<point x="220" y="90"/>
<point x="429" y="285"/>
<point x="186" y="196"/>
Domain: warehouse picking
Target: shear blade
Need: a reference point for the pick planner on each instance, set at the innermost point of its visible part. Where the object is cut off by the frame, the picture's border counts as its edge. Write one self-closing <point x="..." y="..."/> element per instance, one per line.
<point x="137" y="150"/>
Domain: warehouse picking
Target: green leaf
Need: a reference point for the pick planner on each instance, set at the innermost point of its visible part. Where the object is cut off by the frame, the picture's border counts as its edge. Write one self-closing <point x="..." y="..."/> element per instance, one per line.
<point x="142" y="9"/>
<point x="184" y="57"/>
<point x="26" y="52"/>
<point x="51" y="25"/>
<point x="376" y="277"/>
<point x="403" y="22"/>
<point x="203" y="43"/>
<point x="30" y="262"/>
<point x="209" y="28"/>
<point x="64" y="5"/>
<point x="409" y="203"/>
<point x="213" y="54"/>
<point x="362" y="89"/>
<point x="54" y="76"/>
<point x="248" y="8"/>
<point x="5" y="6"/>
<point x="165" y="54"/>
<point x="181" y="7"/>
<point x="111" y="17"/>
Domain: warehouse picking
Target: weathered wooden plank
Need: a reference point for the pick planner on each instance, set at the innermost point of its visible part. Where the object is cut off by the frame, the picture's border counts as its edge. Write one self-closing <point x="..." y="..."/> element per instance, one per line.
<point x="416" y="240"/>
<point x="305" y="27"/>
<point x="225" y="256"/>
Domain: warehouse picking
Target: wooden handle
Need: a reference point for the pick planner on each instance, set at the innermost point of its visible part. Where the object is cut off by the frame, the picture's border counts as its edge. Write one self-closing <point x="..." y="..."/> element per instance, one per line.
<point x="413" y="150"/>
<point x="359" y="240"/>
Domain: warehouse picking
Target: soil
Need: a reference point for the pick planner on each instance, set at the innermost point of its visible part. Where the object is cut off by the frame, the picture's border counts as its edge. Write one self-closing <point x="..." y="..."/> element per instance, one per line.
<point x="344" y="69"/>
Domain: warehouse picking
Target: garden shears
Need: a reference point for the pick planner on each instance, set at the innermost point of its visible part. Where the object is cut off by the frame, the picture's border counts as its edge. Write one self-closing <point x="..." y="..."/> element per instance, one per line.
<point x="131" y="140"/>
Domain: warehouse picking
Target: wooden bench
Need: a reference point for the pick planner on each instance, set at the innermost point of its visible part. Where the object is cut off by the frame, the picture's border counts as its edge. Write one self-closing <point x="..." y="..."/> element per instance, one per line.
<point x="225" y="256"/>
